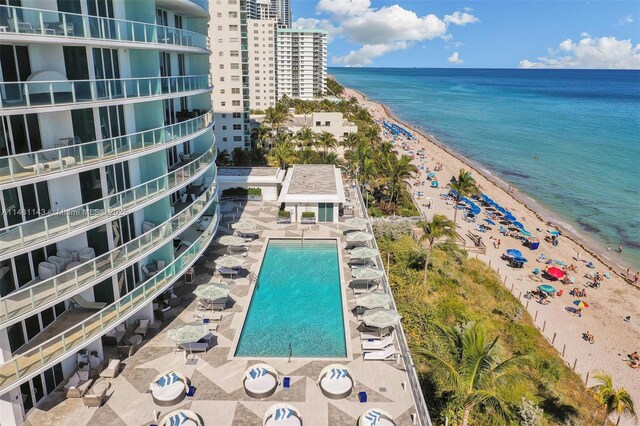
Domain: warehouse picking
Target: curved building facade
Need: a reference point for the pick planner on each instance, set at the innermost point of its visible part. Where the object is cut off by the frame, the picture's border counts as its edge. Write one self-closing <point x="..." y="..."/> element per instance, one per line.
<point x="108" y="188"/>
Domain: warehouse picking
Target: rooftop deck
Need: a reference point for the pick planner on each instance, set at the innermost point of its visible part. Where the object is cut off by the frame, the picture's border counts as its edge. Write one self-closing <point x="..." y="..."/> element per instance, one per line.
<point x="220" y="398"/>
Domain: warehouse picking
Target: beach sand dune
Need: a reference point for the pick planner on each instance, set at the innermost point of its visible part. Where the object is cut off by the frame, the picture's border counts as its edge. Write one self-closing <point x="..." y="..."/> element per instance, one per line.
<point x="609" y="304"/>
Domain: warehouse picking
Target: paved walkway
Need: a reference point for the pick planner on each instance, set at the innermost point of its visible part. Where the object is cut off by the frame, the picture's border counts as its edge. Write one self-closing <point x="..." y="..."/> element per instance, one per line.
<point x="220" y="398"/>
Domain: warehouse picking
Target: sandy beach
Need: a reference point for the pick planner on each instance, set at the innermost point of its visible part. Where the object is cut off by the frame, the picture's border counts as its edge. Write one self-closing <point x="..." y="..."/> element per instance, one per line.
<point x="609" y="305"/>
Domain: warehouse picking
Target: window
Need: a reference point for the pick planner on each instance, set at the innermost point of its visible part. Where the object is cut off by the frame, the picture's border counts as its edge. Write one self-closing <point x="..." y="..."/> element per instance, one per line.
<point x="237" y="138"/>
<point x="222" y="91"/>
<point x="233" y="28"/>
<point x="221" y="66"/>
<point x="235" y="91"/>
<point x="235" y="66"/>
<point x="219" y="27"/>
<point x="235" y="78"/>
<point x="233" y="15"/>
<point x="224" y="127"/>
<point x="220" y="53"/>
<point x="235" y="103"/>
<point x="224" y="115"/>
<point x="237" y="127"/>
<point x="224" y="139"/>
<point x="221" y="78"/>
<point x="223" y="103"/>
<point x="237" y="115"/>
<point x="234" y="53"/>
<point x="219" y="14"/>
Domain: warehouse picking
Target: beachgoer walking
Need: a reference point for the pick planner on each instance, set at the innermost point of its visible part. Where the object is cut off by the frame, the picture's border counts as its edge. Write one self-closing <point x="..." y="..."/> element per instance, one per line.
<point x="636" y="278"/>
<point x="578" y="257"/>
<point x="628" y="273"/>
<point x="619" y="248"/>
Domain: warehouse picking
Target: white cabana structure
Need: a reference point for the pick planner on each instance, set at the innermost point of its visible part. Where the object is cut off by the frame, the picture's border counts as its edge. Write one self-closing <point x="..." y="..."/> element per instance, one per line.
<point x="268" y="179"/>
<point x="313" y="188"/>
<point x="282" y="415"/>
<point x="375" y="417"/>
<point x="168" y="388"/>
<point x="336" y="381"/>
<point x="260" y="381"/>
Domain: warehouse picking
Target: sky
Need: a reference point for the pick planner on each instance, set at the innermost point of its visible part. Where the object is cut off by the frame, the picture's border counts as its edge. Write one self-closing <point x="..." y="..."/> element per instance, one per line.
<point x="477" y="33"/>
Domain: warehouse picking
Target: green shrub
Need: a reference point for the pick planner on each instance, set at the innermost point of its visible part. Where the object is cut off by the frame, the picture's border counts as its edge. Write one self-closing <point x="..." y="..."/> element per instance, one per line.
<point x="308" y="215"/>
<point x="255" y="191"/>
<point x="284" y="214"/>
<point x="374" y="211"/>
<point x="241" y="192"/>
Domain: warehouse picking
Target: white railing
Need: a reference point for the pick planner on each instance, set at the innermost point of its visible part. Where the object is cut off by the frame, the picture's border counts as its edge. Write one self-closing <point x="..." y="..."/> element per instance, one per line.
<point x="64" y="223"/>
<point x="39" y="296"/>
<point x="24" y="366"/>
<point x="418" y="398"/>
<point x="31" y="94"/>
<point x="51" y="23"/>
<point x="50" y="162"/>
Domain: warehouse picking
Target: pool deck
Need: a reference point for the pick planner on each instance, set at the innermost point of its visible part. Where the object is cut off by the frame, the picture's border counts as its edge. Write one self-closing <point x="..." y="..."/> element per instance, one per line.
<point x="220" y="399"/>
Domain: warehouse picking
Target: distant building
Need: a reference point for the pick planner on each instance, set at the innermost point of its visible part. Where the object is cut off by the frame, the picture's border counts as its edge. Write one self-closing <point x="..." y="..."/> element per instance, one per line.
<point x="280" y="10"/>
<point x="301" y="63"/>
<point x="262" y="65"/>
<point x="230" y="68"/>
<point x="318" y="122"/>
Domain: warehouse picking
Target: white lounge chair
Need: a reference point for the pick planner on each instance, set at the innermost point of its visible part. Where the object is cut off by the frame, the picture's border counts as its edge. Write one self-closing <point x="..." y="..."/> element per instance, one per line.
<point x="112" y="370"/>
<point x="375" y="334"/>
<point x="169" y="388"/>
<point x="84" y="303"/>
<point x="227" y="271"/>
<point x="377" y="345"/>
<point x="380" y="355"/>
<point x="336" y="381"/>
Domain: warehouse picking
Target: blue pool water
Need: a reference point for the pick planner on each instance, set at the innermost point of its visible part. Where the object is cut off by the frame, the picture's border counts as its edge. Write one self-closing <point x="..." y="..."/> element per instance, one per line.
<point x="297" y="301"/>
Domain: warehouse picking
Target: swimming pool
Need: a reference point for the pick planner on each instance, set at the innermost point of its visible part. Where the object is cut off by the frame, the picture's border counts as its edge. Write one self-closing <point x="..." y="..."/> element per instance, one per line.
<point x="297" y="303"/>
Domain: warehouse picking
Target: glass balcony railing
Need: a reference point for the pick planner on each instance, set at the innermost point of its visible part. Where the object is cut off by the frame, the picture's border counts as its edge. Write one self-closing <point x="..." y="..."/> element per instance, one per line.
<point x="22" y="94"/>
<point x="51" y="23"/>
<point x="49" y="162"/>
<point x="38" y="296"/>
<point x="23" y="366"/>
<point x="78" y="219"/>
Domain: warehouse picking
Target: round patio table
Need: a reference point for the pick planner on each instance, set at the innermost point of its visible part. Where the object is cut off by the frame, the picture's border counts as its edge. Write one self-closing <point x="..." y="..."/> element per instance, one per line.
<point x="136" y="339"/>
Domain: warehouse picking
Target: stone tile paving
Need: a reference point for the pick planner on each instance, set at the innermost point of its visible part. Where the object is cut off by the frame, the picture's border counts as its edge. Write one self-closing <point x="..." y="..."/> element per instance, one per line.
<point x="220" y="399"/>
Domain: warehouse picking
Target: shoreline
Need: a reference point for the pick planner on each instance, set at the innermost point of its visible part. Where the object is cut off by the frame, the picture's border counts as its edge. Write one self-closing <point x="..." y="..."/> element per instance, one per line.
<point x="542" y="213"/>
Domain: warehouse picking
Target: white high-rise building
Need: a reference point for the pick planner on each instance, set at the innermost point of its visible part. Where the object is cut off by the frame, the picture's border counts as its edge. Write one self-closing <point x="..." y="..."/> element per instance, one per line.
<point x="301" y="63"/>
<point x="106" y="164"/>
<point x="230" y="69"/>
<point x="262" y="60"/>
<point x="270" y="9"/>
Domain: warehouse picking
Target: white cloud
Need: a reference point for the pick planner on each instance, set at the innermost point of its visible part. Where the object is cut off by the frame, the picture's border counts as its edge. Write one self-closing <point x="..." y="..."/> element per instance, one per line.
<point x="460" y="18"/>
<point x="322" y="24"/>
<point x="626" y="20"/>
<point x="379" y="31"/>
<point x="590" y="52"/>
<point x="455" y="58"/>
<point x="585" y="34"/>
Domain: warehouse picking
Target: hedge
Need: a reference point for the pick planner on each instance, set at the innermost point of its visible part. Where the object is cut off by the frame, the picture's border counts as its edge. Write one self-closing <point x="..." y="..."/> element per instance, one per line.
<point x="242" y="192"/>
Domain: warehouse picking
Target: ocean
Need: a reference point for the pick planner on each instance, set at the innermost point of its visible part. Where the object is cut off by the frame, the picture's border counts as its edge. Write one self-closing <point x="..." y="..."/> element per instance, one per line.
<point x="567" y="139"/>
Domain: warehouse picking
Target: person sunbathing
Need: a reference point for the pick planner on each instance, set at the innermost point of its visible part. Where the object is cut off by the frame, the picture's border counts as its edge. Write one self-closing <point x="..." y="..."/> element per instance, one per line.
<point x="588" y="337"/>
<point x="635" y="356"/>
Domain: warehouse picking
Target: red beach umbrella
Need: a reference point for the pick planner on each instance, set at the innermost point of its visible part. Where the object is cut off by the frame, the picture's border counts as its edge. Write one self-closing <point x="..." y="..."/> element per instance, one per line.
<point x="555" y="272"/>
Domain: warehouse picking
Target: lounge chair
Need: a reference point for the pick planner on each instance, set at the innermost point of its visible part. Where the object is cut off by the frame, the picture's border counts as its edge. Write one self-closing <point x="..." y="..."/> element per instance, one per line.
<point x="227" y="271"/>
<point x="380" y="355"/>
<point x="375" y="334"/>
<point x="46" y="270"/>
<point x="97" y="395"/>
<point x="84" y="303"/>
<point x="58" y="262"/>
<point x="184" y="417"/>
<point x="169" y="388"/>
<point x="78" y="384"/>
<point x="377" y="345"/>
<point x="260" y="381"/>
<point x="86" y="254"/>
<point x="112" y="370"/>
<point x="142" y="328"/>
<point x="26" y="163"/>
<point x="336" y="381"/>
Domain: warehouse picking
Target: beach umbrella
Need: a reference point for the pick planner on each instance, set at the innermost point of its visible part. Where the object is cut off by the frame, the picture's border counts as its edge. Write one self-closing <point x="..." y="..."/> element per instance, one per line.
<point x="509" y="217"/>
<point x="188" y="333"/>
<point x="229" y="261"/>
<point x="375" y="299"/>
<point x="367" y="273"/>
<point x="356" y="222"/>
<point x="359" y="237"/>
<point x="380" y="317"/>
<point x="212" y="291"/>
<point x="581" y="304"/>
<point x="555" y="272"/>
<point x="518" y="225"/>
<point x="364" y="252"/>
<point x="525" y="232"/>
<point x="554" y="232"/>
<point x="514" y="253"/>
<point x="232" y="240"/>
<point x="490" y="222"/>
<point x="244" y="226"/>
<point x="549" y="289"/>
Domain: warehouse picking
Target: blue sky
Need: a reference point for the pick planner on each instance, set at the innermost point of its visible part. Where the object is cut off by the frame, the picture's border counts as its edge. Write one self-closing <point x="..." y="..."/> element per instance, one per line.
<point x="505" y="34"/>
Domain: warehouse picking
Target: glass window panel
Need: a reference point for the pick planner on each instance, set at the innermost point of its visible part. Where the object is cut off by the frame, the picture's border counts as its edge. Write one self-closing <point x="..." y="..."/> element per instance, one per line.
<point x="23" y="269"/>
<point x="35" y="142"/>
<point x="29" y="202"/>
<point x="27" y="401"/>
<point x="43" y="196"/>
<point x="7" y="283"/>
<point x="33" y="326"/>
<point x="57" y="372"/>
<point x="16" y="336"/>
<point x="49" y="380"/>
<point x="59" y="308"/>
<point x="47" y="317"/>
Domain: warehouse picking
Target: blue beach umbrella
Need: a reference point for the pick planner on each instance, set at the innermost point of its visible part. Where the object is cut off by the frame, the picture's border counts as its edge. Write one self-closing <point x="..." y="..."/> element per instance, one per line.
<point x="509" y="217"/>
<point x="490" y="222"/>
<point x="518" y="225"/>
<point x="554" y="232"/>
<point x="549" y="289"/>
<point x="514" y="253"/>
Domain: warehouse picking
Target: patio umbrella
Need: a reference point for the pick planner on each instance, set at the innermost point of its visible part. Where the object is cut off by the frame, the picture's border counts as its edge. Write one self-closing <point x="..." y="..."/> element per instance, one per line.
<point x="232" y="240"/>
<point x="364" y="252"/>
<point x="581" y="304"/>
<point x="555" y="272"/>
<point x="356" y="222"/>
<point x="367" y="273"/>
<point x="229" y="261"/>
<point x="490" y="222"/>
<point x="359" y="237"/>
<point x="244" y="226"/>
<point x="375" y="299"/>
<point x="211" y="291"/>
<point x="547" y="288"/>
<point x="188" y="333"/>
<point x="380" y="317"/>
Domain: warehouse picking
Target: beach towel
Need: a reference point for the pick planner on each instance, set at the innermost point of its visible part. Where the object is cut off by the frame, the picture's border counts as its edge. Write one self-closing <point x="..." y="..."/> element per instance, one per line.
<point x="177" y="420"/>
<point x="168" y="379"/>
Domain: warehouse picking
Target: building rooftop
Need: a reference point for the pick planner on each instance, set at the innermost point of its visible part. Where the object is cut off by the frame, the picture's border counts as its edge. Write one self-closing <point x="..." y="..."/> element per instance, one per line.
<point x="313" y="183"/>
<point x="251" y="174"/>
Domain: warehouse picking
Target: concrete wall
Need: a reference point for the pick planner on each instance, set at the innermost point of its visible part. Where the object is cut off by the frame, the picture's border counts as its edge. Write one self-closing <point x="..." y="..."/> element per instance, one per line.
<point x="269" y="191"/>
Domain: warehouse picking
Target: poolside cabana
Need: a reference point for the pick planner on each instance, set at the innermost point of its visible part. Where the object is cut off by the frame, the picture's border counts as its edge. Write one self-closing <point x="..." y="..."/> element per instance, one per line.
<point x="312" y="193"/>
<point x="260" y="381"/>
<point x="336" y="381"/>
<point x="168" y="388"/>
<point x="282" y="415"/>
<point x="267" y="179"/>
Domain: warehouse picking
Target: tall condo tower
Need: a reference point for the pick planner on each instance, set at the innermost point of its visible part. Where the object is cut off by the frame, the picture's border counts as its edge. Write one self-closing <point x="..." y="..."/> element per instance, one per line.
<point x="301" y="62"/>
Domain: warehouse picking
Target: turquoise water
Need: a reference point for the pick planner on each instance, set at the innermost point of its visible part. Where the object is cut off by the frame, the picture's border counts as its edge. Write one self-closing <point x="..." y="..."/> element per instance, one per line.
<point x="568" y="139"/>
<point x="297" y="301"/>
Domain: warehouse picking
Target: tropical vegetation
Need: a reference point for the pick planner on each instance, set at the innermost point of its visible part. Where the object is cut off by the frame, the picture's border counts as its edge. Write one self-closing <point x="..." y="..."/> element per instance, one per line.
<point x="464" y="185"/>
<point x="612" y="400"/>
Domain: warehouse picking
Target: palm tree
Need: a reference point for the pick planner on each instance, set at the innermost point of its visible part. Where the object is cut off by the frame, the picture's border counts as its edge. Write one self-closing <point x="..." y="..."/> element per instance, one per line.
<point x="356" y="157"/>
<point x="373" y="134"/>
<point x="261" y="136"/>
<point x="396" y="171"/>
<point x="464" y="185"/>
<point x="223" y="158"/>
<point x="327" y="141"/>
<point x="276" y="117"/>
<point x="350" y="140"/>
<point x="282" y="154"/>
<point x="436" y="228"/>
<point x="611" y="400"/>
<point x="305" y="137"/>
<point x="471" y="371"/>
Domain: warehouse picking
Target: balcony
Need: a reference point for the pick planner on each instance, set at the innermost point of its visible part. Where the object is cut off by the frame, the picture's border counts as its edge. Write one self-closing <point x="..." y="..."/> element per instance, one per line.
<point x="42" y="294"/>
<point x="71" y="28"/>
<point x="50" y="163"/>
<point x="24" y="366"/>
<point x="23" y="97"/>
<point x="64" y="224"/>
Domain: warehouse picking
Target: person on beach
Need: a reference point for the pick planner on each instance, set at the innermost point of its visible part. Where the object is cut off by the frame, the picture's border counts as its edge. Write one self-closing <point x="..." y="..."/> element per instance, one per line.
<point x="619" y="248"/>
<point x="628" y="274"/>
<point x="636" y="278"/>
